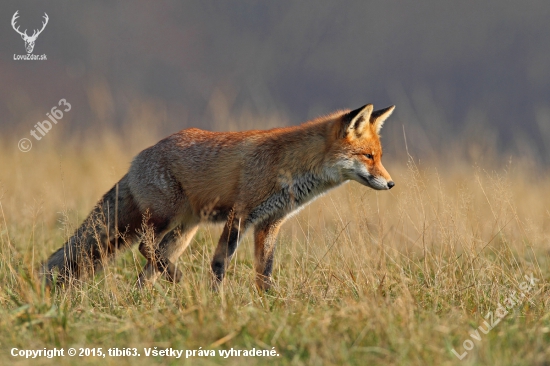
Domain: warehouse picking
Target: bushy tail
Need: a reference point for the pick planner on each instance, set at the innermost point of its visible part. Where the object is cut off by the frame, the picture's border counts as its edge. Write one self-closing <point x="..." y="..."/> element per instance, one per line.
<point x="110" y="226"/>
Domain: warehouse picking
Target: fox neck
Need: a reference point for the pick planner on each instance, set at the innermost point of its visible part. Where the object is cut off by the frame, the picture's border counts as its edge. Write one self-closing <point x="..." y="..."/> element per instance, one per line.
<point x="305" y="187"/>
<point x="302" y="174"/>
<point x="311" y="180"/>
<point x="309" y="173"/>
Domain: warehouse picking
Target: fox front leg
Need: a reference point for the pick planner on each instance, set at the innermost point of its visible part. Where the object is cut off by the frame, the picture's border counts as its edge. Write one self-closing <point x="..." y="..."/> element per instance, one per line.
<point x="265" y="236"/>
<point x="229" y="240"/>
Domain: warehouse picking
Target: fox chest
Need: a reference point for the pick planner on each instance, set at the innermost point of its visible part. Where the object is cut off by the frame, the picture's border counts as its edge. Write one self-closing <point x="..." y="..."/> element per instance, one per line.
<point x="292" y="194"/>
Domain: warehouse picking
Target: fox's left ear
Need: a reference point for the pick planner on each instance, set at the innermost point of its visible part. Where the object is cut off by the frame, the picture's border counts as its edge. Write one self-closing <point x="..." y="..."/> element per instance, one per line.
<point x="377" y="118"/>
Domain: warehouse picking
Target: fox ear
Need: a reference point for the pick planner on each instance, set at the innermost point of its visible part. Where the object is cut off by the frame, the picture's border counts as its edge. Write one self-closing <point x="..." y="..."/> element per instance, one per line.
<point x="378" y="117"/>
<point x="356" y="120"/>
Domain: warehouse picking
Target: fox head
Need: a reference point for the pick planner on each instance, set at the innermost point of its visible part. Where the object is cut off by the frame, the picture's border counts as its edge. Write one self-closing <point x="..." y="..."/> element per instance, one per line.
<point x="357" y="147"/>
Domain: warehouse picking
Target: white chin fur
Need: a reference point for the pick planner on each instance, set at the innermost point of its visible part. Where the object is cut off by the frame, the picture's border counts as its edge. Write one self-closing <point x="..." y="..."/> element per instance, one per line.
<point x="377" y="183"/>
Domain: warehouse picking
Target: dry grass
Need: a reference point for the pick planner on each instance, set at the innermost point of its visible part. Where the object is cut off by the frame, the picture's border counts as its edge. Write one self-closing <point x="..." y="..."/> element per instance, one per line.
<point x="361" y="277"/>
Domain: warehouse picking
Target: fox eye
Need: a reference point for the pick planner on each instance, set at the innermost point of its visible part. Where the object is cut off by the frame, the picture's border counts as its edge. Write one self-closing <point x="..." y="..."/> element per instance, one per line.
<point x="369" y="156"/>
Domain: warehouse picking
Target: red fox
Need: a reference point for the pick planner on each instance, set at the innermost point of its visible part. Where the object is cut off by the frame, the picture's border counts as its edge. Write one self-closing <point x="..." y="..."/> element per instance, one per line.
<point x="251" y="179"/>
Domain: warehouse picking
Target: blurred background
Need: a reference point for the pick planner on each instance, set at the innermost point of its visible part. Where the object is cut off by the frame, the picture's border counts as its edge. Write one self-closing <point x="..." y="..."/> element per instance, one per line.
<point x="471" y="77"/>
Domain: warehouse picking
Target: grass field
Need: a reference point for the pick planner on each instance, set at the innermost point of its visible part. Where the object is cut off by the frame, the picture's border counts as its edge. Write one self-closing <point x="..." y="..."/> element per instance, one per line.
<point x="399" y="277"/>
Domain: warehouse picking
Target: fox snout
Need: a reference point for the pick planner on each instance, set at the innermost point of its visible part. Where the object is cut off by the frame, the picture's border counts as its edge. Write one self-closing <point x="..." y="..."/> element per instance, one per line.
<point x="383" y="183"/>
<point x="377" y="177"/>
<point x="379" y="182"/>
<point x="385" y="177"/>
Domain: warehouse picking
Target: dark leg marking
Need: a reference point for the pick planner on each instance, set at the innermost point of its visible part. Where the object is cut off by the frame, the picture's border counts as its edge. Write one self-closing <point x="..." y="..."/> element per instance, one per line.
<point x="226" y="248"/>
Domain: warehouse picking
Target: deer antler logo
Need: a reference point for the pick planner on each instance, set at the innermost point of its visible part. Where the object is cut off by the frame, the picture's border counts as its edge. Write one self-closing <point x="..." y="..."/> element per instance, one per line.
<point x="29" y="41"/>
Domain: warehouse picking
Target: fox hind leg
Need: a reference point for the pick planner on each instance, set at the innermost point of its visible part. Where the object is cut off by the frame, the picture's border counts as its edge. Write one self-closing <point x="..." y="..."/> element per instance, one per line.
<point x="162" y="258"/>
<point x="172" y="247"/>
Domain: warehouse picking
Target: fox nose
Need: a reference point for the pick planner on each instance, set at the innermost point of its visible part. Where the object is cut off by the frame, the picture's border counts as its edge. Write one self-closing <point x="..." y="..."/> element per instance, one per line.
<point x="390" y="184"/>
